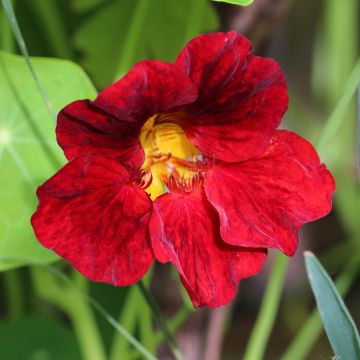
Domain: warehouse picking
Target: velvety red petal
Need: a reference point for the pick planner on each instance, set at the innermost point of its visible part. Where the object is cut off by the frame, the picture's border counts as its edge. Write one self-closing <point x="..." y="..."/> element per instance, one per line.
<point x="83" y="129"/>
<point x="150" y="87"/>
<point x="241" y="100"/>
<point x="184" y="230"/>
<point x="262" y="202"/>
<point x="91" y="214"/>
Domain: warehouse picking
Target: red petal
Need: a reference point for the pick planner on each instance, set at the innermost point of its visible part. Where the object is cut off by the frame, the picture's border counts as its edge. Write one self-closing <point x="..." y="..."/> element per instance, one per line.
<point x="84" y="129"/>
<point x="263" y="202"/>
<point x="150" y="87"/>
<point x="242" y="97"/>
<point x="185" y="231"/>
<point x="93" y="216"/>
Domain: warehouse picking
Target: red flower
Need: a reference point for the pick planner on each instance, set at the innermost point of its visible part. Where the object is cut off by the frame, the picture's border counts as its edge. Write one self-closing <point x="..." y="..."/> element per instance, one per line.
<point x="200" y="137"/>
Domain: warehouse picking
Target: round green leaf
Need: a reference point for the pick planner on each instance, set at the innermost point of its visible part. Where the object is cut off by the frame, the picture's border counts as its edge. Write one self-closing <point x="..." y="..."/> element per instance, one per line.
<point x="29" y="153"/>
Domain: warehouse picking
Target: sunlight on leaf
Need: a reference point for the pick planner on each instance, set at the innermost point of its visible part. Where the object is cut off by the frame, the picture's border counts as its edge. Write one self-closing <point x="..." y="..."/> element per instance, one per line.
<point x="29" y="153"/>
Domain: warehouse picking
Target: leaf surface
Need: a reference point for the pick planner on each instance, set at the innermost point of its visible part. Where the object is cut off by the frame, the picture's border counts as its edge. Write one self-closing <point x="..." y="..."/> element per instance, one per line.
<point x="29" y="153"/>
<point x="339" y="326"/>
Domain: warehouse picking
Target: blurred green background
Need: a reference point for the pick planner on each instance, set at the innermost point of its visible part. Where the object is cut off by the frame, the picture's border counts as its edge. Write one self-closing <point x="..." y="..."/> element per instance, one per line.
<point x="44" y="316"/>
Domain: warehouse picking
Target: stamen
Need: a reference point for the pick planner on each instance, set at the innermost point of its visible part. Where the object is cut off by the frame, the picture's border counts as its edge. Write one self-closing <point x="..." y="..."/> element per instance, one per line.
<point x="168" y="151"/>
<point x="180" y="183"/>
<point x="143" y="179"/>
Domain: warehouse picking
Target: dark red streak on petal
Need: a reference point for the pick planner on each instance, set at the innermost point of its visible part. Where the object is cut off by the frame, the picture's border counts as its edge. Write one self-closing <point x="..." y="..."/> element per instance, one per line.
<point x="242" y="97"/>
<point x="185" y="231"/>
<point x="150" y="87"/>
<point x="91" y="214"/>
<point x="263" y="202"/>
<point x="84" y="129"/>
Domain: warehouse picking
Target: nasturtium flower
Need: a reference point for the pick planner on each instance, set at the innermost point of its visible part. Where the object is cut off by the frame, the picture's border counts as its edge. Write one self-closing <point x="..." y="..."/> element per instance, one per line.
<point x="181" y="162"/>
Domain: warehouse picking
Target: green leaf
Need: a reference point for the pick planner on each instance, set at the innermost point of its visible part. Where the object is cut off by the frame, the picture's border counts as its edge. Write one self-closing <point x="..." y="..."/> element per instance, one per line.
<point x="35" y="338"/>
<point x="339" y="326"/>
<point x="160" y="34"/>
<point x="85" y="5"/>
<point x="237" y="2"/>
<point x="29" y="153"/>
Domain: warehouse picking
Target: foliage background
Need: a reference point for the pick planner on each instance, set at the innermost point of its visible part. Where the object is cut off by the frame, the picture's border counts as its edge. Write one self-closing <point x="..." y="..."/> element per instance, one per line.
<point x="43" y="316"/>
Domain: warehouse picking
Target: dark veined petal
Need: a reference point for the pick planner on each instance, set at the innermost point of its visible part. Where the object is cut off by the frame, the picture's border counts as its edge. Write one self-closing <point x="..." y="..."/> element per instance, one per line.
<point x="111" y="124"/>
<point x="184" y="230"/>
<point x="264" y="201"/>
<point x="150" y="87"/>
<point x="91" y="214"/>
<point x="242" y="97"/>
<point x="85" y="129"/>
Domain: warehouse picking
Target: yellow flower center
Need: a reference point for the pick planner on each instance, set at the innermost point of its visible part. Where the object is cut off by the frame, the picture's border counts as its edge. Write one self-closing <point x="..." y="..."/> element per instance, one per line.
<point x="168" y="152"/>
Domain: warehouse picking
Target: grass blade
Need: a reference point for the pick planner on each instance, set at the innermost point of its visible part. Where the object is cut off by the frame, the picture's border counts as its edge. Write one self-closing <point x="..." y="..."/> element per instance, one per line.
<point x="337" y="116"/>
<point x="110" y="319"/>
<point x="264" y="323"/>
<point x="339" y="326"/>
<point x="311" y="330"/>
<point x="20" y="40"/>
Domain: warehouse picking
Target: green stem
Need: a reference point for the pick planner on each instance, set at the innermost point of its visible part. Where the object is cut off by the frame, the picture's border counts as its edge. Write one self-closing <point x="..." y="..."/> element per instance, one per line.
<point x="337" y="116"/>
<point x="135" y="314"/>
<point x="78" y="288"/>
<point x="7" y="42"/>
<point x="85" y="328"/>
<point x="13" y="292"/>
<point x="21" y="43"/>
<point x="160" y="321"/>
<point x="312" y="328"/>
<point x="54" y="27"/>
<point x="76" y="308"/>
<point x="175" y="322"/>
<point x="194" y="19"/>
<point x="128" y="319"/>
<point x="132" y="38"/>
<point x="264" y="323"/>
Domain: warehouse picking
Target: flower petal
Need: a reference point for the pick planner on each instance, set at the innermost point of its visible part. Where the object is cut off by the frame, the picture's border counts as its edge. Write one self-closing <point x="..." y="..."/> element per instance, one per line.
<point x="242" y="97"/>
<point x="93" y="216"/>
<point x="84" y="129"/>
<point x="264" y="201"/>
<point x="150" y="87"/>
<point x="184" y="230"/>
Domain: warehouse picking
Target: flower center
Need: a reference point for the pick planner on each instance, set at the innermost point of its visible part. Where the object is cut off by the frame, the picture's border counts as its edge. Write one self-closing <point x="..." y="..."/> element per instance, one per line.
<point x="168" y="153"/>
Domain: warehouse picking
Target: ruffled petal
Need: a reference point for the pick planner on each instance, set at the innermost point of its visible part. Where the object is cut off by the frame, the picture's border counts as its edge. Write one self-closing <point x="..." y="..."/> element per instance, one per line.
<point x="184" y="230"/>
<point x="84" y="129"/>
<point x="150" y="87"/>
<point x="264" y="201"/>
<point x="111" y="125"/>
<point x="242" y="97"/>
<point x="91" y="214"/>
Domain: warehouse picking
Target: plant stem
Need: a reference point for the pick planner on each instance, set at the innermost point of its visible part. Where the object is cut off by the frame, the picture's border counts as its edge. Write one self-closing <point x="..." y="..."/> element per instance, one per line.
<point x="132" y="38"/>
<point x="13" y="292"/>
<point x="76" y="308"/>
<point x="54" y="27"/>
<point x="194" y="19"/>
<point x="160" y="321"/>
<point x="58" y="297"/>
<point x="264" y="323"/>
<point x="337" y="116"/>
<point x="7" y="42"/>
<point x="21" y="43"/>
